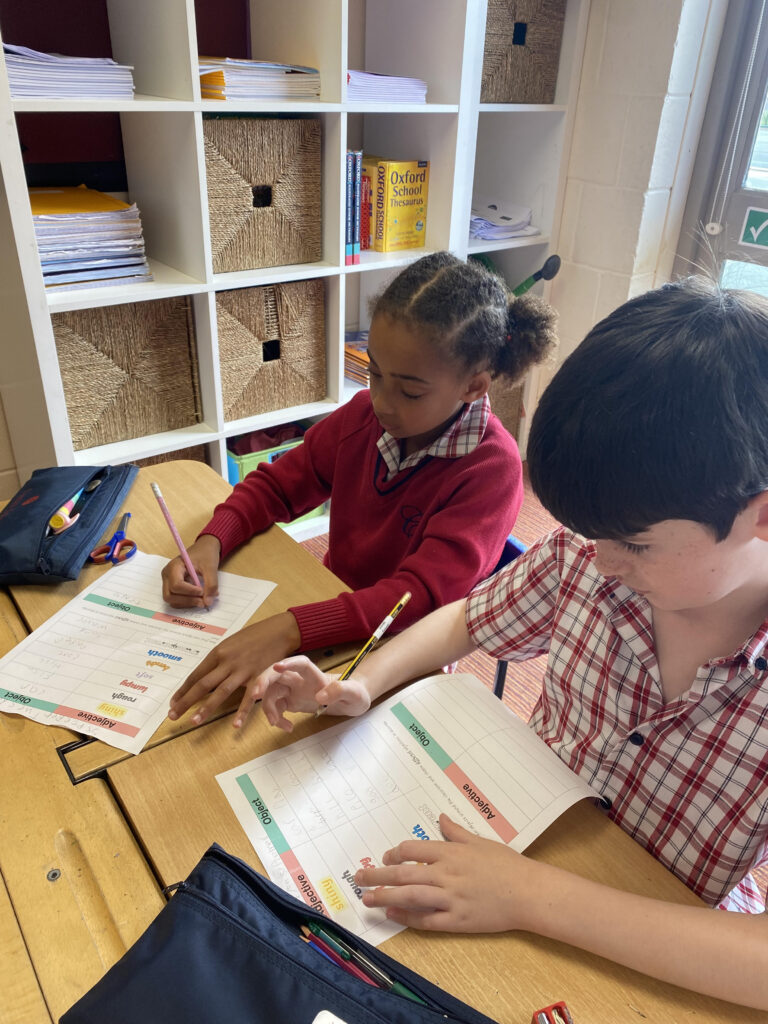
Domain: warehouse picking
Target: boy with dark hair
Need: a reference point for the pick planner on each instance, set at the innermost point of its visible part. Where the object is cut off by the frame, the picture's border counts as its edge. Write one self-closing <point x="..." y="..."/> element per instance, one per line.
<point x="652" y="440"/>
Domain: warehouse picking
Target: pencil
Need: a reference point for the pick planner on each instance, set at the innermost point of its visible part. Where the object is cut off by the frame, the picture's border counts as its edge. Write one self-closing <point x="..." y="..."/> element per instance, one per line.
<point x="368" y="646"/>
<point x="175" y="533"/>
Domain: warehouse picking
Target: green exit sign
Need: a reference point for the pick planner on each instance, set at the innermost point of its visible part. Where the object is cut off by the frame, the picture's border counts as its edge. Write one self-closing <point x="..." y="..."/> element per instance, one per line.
<point x="754" y="232"/>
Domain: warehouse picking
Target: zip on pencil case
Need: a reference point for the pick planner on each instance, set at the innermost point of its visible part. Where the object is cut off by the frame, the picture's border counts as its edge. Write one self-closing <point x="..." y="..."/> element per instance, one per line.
<point x="29" y="551"/>
<point x="227" y="947"/>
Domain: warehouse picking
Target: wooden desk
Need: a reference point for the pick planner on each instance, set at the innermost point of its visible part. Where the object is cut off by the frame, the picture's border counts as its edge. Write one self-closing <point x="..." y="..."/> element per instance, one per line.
<point x="191" y="490"/>
<point x="76" y="891"/>
<point x="18" y="981"/>
<point x="173" y="801"/>
<point x="83" y="864"/>
<point x="75" y="888"/>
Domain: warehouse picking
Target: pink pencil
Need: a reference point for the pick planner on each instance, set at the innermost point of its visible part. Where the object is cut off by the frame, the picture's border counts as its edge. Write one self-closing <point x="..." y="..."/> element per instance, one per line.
<point x="179" y="542"/>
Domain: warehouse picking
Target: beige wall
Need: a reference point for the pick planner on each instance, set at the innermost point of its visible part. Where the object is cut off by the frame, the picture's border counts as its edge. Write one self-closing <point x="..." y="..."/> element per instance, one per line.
<point x="644" y="85"/>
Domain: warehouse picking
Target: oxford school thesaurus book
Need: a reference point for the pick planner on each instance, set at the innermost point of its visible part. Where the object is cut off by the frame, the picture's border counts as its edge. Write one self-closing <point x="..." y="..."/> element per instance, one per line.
<point x="400" y="190"/>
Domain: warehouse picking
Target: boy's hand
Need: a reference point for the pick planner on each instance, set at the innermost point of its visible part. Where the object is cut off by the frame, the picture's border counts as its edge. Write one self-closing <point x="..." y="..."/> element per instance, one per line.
<point x="296" y="684"/>
<point x="467" y="884"/>
<point x="178" y="589"/>
<point x="234" y="663"/>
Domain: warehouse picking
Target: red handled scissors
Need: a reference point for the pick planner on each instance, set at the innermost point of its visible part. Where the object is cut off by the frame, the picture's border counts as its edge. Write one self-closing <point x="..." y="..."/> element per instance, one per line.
<point x="119" y="547"/>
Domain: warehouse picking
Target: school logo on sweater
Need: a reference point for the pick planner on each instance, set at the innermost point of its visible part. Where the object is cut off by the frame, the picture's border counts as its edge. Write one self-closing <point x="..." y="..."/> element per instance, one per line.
<point x="411" y="518"/>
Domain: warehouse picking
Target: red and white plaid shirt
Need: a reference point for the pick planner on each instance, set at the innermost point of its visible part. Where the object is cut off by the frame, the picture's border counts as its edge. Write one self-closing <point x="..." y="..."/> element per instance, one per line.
<point x="461" y="438"/>
<point x="687" y="779"/>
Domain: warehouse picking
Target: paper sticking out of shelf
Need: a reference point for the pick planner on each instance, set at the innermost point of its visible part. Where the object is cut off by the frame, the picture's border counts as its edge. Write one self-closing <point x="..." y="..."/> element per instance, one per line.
<point x="227" y="78"/>
<point x="87" y="238"/>
<point x="33" y="74"/>
<point x="356" y="362"/>
<point x="364" y="85"/>
<point x="494" y="218"/>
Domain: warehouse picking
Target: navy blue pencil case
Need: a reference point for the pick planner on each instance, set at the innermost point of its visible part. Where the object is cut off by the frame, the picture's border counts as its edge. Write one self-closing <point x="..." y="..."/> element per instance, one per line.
<point x="227" y="947"/>
<point x="29" y="551"/>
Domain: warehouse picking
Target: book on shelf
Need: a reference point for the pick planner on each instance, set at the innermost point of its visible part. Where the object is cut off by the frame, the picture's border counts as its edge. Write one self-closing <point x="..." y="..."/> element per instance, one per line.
<point x="356" y="362"/>
<point x="495" y="218"/>
<point x="87" y="238"/>
<point x="34" y="74"/>
<point x="349" y="216"/>
<point x="400" y="190"/>
<point x="356" y="205"/>
<point x="229" y="78"/>
<point x="368" y="171"/>
<point x="365" y="212"/>
<point x="365" y="85"/>
<point x="353" y="164"/>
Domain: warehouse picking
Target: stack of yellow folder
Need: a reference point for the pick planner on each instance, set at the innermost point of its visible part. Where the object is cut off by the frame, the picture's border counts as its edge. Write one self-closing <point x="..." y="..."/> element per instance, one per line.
<point x="87" y="238"/>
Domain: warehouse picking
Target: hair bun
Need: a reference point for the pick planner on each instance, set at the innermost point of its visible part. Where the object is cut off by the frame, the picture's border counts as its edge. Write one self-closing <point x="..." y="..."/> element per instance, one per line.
<point x="531" y="333"/>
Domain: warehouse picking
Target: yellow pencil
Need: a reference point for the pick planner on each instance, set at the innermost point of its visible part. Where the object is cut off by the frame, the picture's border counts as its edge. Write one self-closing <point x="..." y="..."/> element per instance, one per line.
<point x="368" y="646"/>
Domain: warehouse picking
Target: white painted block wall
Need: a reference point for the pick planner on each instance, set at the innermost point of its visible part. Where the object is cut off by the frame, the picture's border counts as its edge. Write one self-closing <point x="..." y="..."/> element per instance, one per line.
<point x="644" y="86"/>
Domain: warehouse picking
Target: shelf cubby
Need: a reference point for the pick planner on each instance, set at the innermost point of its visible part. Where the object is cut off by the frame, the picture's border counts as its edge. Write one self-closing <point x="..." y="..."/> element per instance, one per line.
<point x="472" y="148"/>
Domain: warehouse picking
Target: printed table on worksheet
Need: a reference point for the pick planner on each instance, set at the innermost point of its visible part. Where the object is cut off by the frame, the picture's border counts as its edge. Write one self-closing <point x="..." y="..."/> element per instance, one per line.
<point x="323" y="807"/>
<point x="108" y="662"/>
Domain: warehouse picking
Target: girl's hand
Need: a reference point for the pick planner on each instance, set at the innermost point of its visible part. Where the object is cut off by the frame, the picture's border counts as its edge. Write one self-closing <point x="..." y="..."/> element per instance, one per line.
<point x="296" y="684"/>
<point x="178" y="590"/>
<point x="467" y="884"/>
<point x="235" y="664"/>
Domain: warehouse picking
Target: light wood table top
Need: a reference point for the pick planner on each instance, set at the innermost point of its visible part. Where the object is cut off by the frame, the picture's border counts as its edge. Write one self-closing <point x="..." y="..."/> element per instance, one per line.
<point x="174" y="803"/>
<point x="18" y="981"/>
<point x="81" y="866"/>
<point x="75" y="889"/>
<point x="191" y="489"/>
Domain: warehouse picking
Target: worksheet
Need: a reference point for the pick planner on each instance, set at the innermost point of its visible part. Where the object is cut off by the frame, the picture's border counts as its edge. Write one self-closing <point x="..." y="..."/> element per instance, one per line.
<point x="319" y="809"/>
<point x="108" y="662"/>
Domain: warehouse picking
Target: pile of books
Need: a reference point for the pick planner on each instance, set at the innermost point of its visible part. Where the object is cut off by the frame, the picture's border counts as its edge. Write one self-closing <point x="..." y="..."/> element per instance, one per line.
<point x="493" y="219"/>
<point x="364" y="85"/>
<point x="356" y="363"/>
<point x="389" y="199"/>
<point x="228" y="78"/>
<point x="87" y="238"/>
<point x="32" y="74"/>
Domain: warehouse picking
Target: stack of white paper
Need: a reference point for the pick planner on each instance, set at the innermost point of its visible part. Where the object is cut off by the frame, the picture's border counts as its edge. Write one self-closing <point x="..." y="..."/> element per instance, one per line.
<point x="494" y="218"/>
<point x="363" y="85"/>
<point x="225" y="78"/>
<point x="87" y="238"/>
<point x="52" y="76"/>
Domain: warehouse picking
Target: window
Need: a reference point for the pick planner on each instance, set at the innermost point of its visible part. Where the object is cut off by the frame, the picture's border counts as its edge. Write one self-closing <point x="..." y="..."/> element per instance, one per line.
<point x="725" y="226"/>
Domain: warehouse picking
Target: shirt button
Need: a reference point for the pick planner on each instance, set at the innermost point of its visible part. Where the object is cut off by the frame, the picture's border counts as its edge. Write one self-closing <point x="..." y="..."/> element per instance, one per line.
<point x="761" y="664"/>
<point x="606" y="802"/>
<point x="637" y="738"/>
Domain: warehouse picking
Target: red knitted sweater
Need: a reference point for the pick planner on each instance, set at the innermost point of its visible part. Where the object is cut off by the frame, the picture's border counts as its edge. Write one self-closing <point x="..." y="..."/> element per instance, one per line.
<point x="436" y="529"/>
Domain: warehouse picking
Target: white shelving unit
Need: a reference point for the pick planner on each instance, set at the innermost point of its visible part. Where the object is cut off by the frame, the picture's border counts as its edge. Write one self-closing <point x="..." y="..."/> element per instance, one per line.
<point x="514" y="150"/>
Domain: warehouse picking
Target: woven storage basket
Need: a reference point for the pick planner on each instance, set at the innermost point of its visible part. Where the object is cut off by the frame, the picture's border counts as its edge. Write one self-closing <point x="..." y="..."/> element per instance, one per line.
<point x="264" y="191"/>
<point x="196" y="453"/>
<point x="271" y="347"/>
<point x="129" y="370"/>
<point x="522" y="50"/>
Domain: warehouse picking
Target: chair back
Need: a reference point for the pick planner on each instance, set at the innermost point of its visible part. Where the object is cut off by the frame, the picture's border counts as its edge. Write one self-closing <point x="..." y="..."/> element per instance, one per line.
<point x="513" y="548"/>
